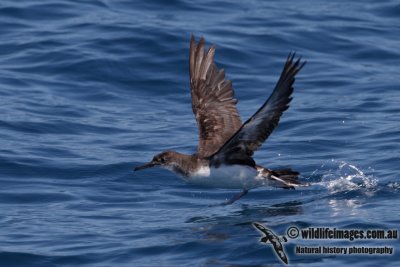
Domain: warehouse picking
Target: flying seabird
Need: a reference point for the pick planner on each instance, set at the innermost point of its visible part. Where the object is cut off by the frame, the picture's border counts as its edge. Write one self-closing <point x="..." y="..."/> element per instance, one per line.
<point x="224" y="157"/>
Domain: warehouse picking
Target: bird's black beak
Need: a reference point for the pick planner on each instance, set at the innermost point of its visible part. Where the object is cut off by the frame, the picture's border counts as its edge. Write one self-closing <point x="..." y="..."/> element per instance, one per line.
<point x="145" y="166"/>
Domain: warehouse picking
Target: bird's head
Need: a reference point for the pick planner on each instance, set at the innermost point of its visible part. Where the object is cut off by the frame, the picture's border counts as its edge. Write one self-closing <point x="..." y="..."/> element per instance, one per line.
<point x="164" y="159"/>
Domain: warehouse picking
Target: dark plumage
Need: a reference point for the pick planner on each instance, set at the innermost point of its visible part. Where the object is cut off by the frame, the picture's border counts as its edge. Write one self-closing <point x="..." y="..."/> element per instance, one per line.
<point x="212" y="100"/>
<point x="223" y="139"/>
<point x="239" y="148"/>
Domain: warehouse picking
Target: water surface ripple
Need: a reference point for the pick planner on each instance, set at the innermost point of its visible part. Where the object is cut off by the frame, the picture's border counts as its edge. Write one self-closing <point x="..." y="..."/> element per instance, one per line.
<point x="89" y="89"/>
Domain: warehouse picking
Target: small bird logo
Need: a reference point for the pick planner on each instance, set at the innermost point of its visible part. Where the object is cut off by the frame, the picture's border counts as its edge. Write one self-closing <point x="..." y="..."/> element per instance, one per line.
<point x="273" y="239"/>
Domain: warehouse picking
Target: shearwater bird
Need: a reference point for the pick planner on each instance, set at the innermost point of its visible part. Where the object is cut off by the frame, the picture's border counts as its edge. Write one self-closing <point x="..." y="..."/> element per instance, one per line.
<point x="226" y="145"/>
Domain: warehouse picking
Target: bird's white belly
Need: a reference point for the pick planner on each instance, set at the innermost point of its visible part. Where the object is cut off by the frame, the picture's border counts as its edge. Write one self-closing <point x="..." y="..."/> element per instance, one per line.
<point x="230" y="177"/>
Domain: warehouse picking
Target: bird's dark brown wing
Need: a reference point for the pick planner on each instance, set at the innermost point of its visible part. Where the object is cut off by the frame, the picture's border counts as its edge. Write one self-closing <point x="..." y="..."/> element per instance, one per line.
<point x="212" y="100"/>
<point x="241" y="146"/>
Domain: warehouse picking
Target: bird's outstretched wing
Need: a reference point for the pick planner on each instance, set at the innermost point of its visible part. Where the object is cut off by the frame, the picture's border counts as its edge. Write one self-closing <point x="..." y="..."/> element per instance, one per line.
<point x="212" y="100"/>
<point x="241" y="146"/>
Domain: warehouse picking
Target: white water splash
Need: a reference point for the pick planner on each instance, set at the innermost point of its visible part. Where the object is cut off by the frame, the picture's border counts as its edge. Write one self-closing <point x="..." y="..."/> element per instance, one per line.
<point x="342" y="176"/>
<point x="394" y="185"/>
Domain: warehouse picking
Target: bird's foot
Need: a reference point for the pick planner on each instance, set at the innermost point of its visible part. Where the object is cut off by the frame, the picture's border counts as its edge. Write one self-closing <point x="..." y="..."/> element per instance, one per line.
<point x="235" y="197"/>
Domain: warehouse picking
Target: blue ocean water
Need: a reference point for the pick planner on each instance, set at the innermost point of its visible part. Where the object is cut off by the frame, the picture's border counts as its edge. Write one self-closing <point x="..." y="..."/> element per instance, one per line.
<point x="89" y="89"/>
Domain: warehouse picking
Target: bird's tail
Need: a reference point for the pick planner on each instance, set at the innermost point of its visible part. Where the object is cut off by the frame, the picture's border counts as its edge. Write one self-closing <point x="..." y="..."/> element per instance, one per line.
<point x="285" y="178"/>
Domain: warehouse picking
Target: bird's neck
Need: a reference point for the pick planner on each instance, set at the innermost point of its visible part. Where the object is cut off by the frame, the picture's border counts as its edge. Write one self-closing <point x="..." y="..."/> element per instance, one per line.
<point x="184" y="165"/>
